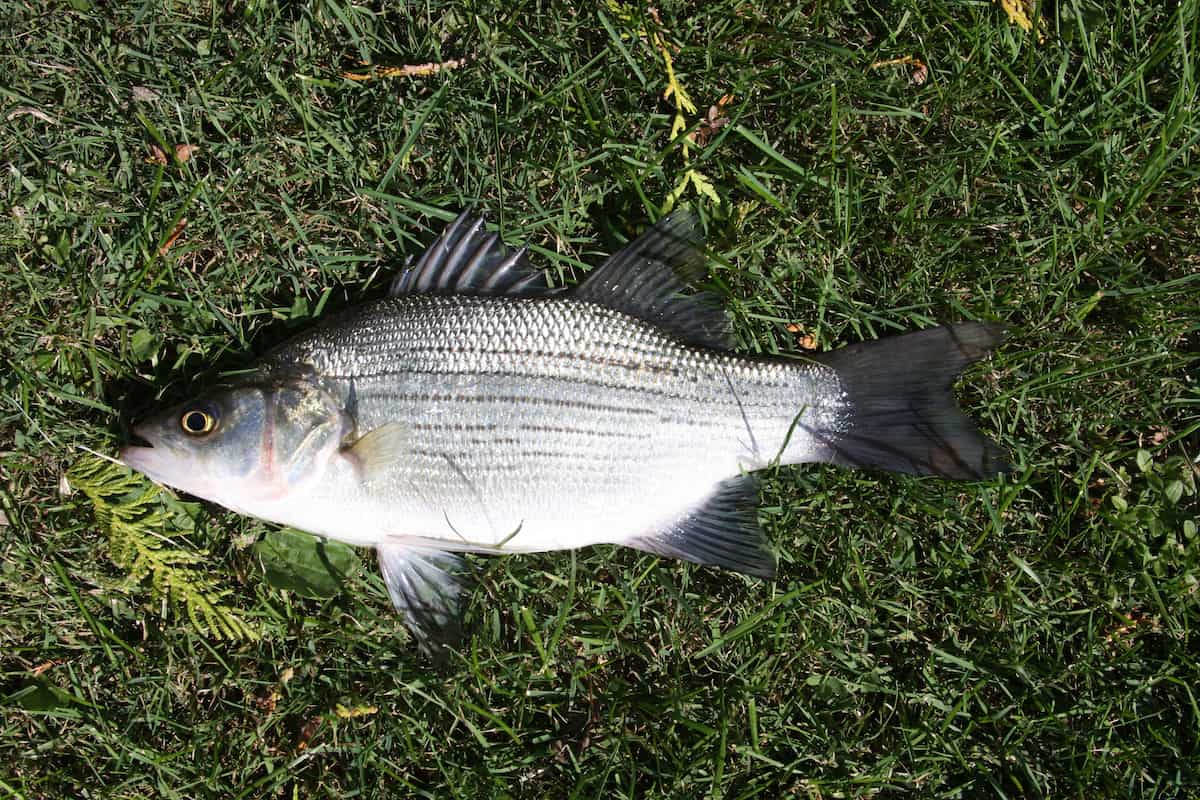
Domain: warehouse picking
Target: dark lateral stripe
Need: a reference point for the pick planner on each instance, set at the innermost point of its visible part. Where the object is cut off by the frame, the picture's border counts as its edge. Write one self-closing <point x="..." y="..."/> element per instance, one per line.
<point x="570" y="379"/>
<point x="717" y="399"/>
<point x="696" y="415"/>
<point x="700" y="419"/>
<point x="511" y="456"/>
<point x="517" y="400"/>
<point x="623" y="364"/>
<point x="572" y="450"/>
<point x="492" y="427"/>
<point x="626" y="353"/>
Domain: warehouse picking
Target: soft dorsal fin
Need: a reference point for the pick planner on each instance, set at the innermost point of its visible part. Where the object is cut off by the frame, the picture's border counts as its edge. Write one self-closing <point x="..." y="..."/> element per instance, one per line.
<point x="466" y="259"/>
<point x="723" y="531"/>
<point x="646" y="279"/>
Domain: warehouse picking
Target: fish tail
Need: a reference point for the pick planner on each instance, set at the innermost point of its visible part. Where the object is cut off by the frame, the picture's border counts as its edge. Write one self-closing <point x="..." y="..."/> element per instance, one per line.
<point x="903" y="416"/>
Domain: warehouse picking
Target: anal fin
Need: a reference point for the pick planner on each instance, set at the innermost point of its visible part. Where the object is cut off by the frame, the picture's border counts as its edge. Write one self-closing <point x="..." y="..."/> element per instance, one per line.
<point x="722" y="532"/>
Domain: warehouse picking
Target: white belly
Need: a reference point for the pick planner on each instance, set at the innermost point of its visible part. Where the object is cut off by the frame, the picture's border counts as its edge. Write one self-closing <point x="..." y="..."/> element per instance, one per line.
<point x="476" y="519"/>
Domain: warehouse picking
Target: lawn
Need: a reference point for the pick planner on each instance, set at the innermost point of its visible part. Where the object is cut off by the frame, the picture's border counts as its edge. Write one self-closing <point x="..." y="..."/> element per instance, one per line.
<point x="186" y="184"/>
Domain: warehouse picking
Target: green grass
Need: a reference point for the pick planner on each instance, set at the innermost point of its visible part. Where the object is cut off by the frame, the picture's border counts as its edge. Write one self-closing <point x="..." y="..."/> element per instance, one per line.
<point x="1038" y="636"/>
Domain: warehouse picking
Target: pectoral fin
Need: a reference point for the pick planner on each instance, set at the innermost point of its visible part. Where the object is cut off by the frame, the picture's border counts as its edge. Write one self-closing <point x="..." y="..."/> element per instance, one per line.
<point x="426" y="586"/>
<point x="378" y="450"/>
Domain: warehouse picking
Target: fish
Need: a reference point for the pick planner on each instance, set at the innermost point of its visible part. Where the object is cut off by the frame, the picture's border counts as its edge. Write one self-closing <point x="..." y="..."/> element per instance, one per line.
<point x="478" y="408"/>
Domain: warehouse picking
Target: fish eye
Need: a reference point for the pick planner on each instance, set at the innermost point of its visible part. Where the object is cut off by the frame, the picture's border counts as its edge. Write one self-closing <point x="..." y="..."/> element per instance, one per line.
<point x="198" y="421"/>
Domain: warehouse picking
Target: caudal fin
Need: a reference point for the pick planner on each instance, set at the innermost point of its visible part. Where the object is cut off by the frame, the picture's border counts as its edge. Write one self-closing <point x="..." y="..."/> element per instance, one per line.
<point x="903" y="415"/>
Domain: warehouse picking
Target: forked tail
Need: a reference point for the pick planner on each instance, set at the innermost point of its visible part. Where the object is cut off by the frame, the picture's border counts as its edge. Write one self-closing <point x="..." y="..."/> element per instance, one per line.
<point x="903" y="416"/>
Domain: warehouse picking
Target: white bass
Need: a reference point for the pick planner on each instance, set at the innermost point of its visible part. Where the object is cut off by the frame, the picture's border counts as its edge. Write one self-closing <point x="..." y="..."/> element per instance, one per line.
<point x="476" y="409"/>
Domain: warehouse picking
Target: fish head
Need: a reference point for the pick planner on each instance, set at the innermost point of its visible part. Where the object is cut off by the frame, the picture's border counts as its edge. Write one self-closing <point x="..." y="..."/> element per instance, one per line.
<point x="245" y="446"/>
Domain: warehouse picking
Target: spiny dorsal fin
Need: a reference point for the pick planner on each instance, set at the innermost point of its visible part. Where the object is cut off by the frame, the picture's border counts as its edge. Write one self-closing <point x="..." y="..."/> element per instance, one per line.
<point x="466" y="259"/>
<point x="426" y="586"/>
<point x="723" y="532"/>
<point x="646" y="279"/>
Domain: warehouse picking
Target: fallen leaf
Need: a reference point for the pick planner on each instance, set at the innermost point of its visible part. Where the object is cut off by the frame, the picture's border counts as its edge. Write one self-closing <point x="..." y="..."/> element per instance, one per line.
<point x="266" y="703"/>
<point x="1134" y="620"/>
<point x="179" y="226"/>
<point x="307" y="732"/>
<point x="807" y="341"/>
<point x="49" y="66"/>
<point x="30" y="111"/>
<point x="704" y="186"/>
<point x="157" y="156"/>
<point x="713" y="121"/>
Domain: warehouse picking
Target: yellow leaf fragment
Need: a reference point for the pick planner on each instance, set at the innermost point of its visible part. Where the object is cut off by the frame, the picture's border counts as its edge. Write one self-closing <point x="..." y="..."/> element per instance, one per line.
<point x="405" y="71"/>
<point x="1021" y="14"/>
<point x="704" y="186"/>
<point x="920" y="70"/>
<point x="657" y="37"/>
<point x="357" y="711"/>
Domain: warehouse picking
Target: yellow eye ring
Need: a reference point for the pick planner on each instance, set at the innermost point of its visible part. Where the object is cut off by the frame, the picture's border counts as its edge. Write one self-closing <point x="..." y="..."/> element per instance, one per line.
<point x="197" y="422"/>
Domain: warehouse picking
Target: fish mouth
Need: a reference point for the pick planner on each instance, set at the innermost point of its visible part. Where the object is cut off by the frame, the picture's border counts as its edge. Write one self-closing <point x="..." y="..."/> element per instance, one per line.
<point x="137" y="440"/>
<point x="138" y="452"/>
